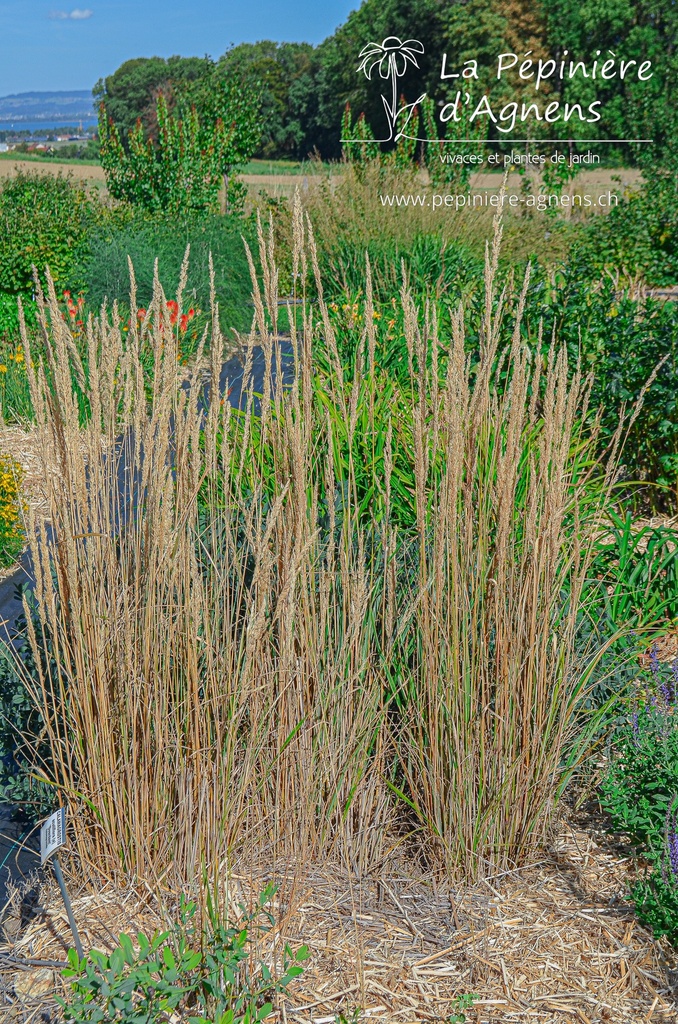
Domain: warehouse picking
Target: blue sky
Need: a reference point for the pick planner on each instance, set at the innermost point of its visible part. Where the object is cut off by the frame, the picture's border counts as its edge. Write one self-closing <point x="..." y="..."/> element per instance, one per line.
<point x="51" y="45"/>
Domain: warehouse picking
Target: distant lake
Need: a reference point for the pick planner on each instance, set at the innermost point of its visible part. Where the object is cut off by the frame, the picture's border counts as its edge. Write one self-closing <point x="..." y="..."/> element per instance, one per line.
<point x="47" y="126"/>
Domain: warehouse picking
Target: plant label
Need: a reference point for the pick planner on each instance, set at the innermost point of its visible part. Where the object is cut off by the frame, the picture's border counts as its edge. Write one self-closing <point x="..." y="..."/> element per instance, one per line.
<point x="52" y="834"/>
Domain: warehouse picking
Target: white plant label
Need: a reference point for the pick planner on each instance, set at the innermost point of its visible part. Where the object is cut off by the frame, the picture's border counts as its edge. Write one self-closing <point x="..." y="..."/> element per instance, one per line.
<point x="52" y="834"/>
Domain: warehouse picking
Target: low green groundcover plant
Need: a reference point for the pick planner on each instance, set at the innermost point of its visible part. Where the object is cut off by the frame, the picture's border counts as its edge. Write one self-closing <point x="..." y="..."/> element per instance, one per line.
<point x="213" y="981"/>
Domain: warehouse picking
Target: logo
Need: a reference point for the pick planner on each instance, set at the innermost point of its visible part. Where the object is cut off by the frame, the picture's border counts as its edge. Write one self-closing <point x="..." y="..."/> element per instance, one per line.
<point x="529" y="93"/>
<point x="392" y="58"/>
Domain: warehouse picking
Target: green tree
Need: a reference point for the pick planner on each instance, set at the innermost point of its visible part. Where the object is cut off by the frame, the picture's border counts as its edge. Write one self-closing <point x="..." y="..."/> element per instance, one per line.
<point x="183" y="167"/>
<point x="338" y="82"/>
<point x="284" y="75"/>
<point x="633" y="29"/>
<point x="130" y="93"/>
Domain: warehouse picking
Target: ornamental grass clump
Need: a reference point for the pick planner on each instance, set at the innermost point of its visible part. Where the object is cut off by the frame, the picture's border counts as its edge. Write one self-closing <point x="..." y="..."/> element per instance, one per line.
<point x="339" y="618"/>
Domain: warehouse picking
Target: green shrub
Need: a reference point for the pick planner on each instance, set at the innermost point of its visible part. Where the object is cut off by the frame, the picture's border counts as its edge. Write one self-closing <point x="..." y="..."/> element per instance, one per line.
<point x="640" y="792"/>
<point x="9" y="317"/>
<point x="44" y="221"/>
<point x="639" y="237"/>
<point x="622" y="342"/>
<point x="433" y="267"/>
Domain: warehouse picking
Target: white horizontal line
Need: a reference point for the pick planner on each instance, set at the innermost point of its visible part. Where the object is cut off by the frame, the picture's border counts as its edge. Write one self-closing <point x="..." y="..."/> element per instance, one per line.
<point x="600" y="142"/>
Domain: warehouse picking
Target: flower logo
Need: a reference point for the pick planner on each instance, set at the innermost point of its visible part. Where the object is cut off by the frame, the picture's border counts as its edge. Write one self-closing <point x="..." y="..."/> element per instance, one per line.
<point x="392" y="57"/>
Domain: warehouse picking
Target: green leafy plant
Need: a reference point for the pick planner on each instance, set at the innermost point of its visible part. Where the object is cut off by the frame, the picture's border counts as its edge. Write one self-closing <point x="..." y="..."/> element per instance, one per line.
<point x="351" y="1016"/>
<point x="642" y="779"/>
<point x="461" y="1003"/>
<point x="639" y="236"/>
<point x="656" y="894"/>
<point x="21" y="723"/>
<point x="638" y="569"/>
<point x="127" y="985"/>
<point x="214" y="983"/>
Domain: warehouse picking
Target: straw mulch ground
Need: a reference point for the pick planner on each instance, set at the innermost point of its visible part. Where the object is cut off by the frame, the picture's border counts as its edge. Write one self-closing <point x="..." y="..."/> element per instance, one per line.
<point x="554" y="942"/>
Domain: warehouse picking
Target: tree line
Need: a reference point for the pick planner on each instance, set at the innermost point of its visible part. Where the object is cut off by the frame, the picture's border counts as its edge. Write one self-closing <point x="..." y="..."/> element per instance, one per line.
<point x="301" y="91"/>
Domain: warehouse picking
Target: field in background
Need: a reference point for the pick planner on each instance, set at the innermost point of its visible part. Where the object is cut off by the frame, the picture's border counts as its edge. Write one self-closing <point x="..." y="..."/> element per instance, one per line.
<point x="277" y="179"/>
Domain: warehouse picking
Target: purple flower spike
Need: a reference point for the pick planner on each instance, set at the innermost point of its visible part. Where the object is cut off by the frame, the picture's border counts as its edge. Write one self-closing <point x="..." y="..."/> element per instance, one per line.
<point x="672" y="843"/>
<point x="654" y="660"/>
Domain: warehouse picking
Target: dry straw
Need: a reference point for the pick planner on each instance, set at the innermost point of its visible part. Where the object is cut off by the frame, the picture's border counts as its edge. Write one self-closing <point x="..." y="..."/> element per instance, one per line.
<point x="252" y="660"/>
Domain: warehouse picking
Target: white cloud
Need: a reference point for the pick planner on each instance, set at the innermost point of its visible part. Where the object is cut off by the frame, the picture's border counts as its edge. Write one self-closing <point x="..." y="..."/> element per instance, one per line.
<point x="75" y="15"/>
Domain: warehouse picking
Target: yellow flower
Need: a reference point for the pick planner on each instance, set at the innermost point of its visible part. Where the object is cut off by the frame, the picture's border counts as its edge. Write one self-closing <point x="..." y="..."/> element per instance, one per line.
<point x="3" y="368"/>
<point x="19" y="356"/>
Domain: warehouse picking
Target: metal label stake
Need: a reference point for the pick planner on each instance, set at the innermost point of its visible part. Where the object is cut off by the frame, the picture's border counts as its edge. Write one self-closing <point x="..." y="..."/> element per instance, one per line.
<point x="52" y="836"/>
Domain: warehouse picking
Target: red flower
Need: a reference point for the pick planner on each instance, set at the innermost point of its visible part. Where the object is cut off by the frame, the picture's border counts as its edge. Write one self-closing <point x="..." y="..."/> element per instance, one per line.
<point x="67" y="295"/>
<point x="141" y="313"/>
<point x="183" y="323"/>
<point x="191" y="314"/>
<point x="172" y="305"/>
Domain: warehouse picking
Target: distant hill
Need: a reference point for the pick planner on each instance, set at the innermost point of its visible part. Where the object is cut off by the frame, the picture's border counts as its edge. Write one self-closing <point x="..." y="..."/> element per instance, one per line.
<point x="47" y="106"/>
